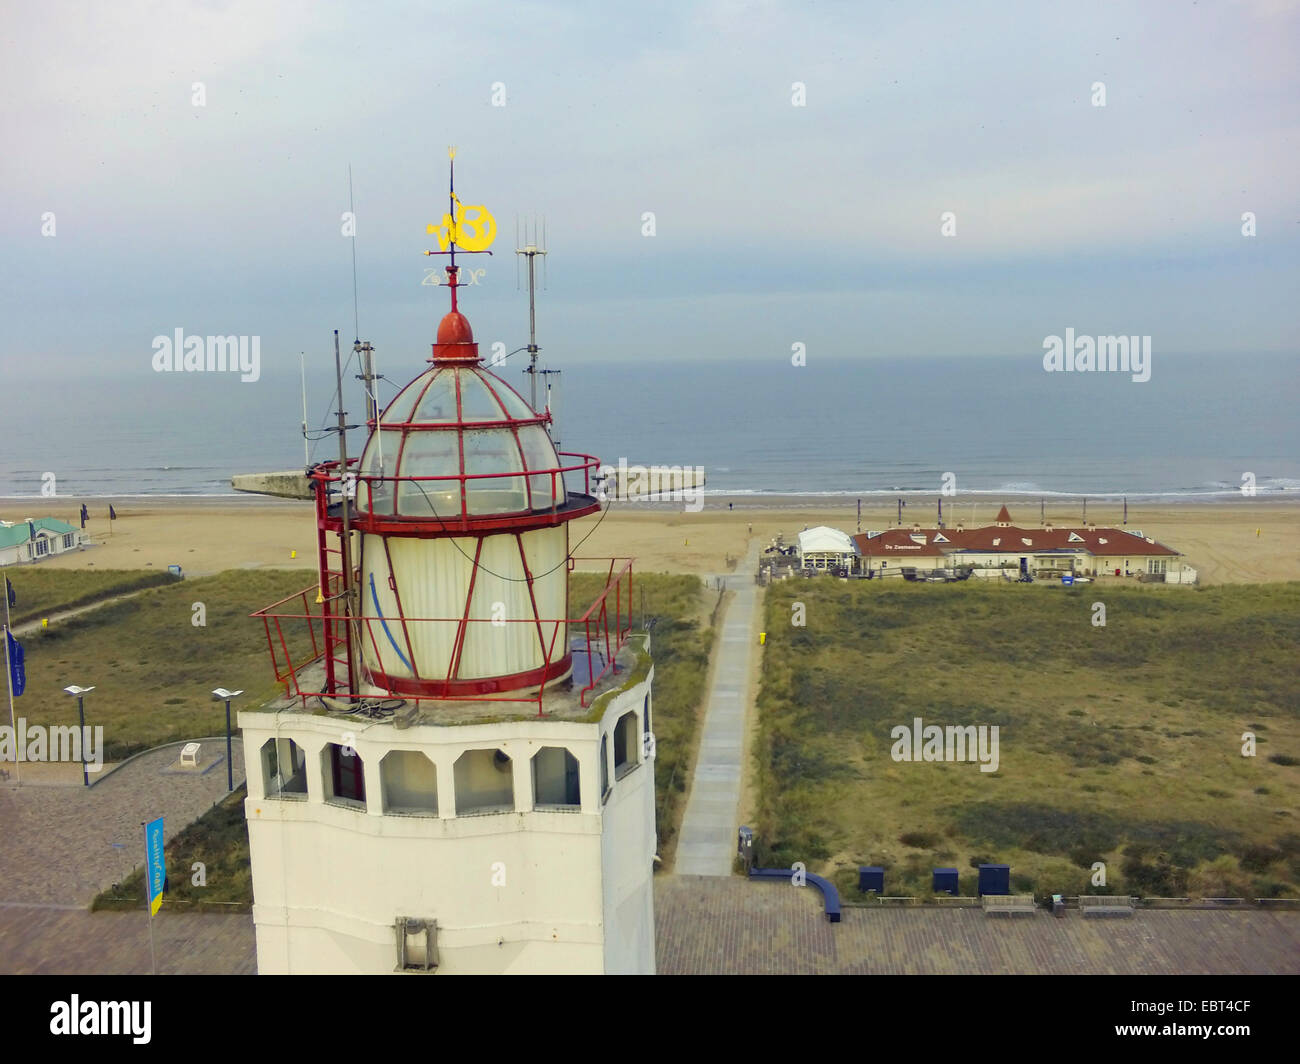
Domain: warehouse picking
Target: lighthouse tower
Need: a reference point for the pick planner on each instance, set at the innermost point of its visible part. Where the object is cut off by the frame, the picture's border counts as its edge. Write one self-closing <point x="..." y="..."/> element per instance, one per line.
<point x="459" y="777"/>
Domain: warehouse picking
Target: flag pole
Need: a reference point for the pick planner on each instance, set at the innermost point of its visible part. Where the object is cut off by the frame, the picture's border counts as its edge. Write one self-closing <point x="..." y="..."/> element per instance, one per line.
<point x="9" y="681"/>
<point x="148" y="900"/>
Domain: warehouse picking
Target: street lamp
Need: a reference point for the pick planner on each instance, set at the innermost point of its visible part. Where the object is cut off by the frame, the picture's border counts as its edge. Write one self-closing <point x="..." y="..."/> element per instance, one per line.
<point x="222" y="695"/>
<point x="80" y="694"/>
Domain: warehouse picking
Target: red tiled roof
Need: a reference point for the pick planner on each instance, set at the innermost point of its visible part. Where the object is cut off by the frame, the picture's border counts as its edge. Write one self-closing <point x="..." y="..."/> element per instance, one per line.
<point x="1101" y="542"/>
<point x="1003" y="515"/>
<point x="898" y="543"/>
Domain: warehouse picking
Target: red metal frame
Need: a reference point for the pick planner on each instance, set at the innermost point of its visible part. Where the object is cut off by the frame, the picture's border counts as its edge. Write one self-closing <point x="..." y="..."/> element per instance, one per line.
<point x="405" y="430"/>
<point x="461" y="521"/>
<point x="601" y="631"/>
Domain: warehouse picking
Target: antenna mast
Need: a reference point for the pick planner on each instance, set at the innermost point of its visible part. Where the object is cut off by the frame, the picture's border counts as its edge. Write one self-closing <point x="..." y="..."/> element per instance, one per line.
<point x="302" y="370"/>
<point x="366" y="355"/>
<point x="530" y="251"/>
<point x="345" y="541"/>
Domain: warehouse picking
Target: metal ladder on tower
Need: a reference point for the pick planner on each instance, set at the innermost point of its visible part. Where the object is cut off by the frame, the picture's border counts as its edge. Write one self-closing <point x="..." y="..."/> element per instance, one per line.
<point x="334" y="619"/>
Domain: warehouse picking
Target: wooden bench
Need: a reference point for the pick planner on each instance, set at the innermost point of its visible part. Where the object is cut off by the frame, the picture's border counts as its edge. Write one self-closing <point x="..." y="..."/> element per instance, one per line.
<point x="1009" y="904"/>
<point x="190" y="755"/>
<point x="1105" y="905"/>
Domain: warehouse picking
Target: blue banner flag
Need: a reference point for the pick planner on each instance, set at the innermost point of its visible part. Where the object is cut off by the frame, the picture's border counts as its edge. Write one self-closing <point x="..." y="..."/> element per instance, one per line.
<point x="9" y="590"/>
<point x="112" y="514"/>
<point x="155" y="866"/>
<point x="17" y="674"/>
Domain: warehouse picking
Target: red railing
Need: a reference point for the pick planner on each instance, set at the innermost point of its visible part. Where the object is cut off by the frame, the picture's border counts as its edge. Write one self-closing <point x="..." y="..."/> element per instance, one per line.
<point x="604" y="626"/>
<point x="365" y="485"/>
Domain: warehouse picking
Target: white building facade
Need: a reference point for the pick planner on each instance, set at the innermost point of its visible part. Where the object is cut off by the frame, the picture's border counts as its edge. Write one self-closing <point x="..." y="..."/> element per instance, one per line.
<point x="513" y="847"/>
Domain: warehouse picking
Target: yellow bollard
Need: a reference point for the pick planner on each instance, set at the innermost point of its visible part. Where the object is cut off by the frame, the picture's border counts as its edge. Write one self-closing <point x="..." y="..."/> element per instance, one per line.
<point x="293" y="554"/>
<point x="1257" y="532"/>
<point x="762" y="638"/>
<point x="45" y="622"/>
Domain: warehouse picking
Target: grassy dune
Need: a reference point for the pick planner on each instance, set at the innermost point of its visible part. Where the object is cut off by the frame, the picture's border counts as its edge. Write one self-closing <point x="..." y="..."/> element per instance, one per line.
<point x="1120" y="744"/>
<point x="219" y="840"/>
<point x="152" y="668"/>
<point x="43" y="592"/>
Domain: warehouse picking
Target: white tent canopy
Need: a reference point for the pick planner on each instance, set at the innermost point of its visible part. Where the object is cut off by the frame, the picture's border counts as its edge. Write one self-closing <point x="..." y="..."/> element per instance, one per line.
<point x="824" y="544"/>
<point x="823" y="538"/>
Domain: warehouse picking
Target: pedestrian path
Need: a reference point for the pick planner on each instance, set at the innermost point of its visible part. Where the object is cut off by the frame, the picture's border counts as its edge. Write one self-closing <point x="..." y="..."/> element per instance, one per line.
<point x="707" y="841"/>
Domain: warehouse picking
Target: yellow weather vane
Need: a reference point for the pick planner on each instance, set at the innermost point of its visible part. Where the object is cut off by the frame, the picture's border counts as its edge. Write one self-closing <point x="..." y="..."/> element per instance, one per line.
<point x="470" y="227"/>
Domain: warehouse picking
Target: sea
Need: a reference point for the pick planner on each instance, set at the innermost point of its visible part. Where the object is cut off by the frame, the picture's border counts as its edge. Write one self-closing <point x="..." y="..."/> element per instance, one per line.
<point x="1200" y="428"/>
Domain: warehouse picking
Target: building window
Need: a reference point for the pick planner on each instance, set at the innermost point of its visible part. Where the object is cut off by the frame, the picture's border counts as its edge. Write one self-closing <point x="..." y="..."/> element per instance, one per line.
<point x="555" y="779"/>
<point x="604" y="767"/>
<point x="284" y="769"/>
<point x="345" y="775"/>
<point x="645" y="715"/>
<point x="67" y="540"/>
<point x="417" y="944"/>
<point x="1157" y="565"/>
<point x="484" y="783"/>
<point x="410" y="783"/>
<point x="625" y="752"/>
<point x="42" y="546"/>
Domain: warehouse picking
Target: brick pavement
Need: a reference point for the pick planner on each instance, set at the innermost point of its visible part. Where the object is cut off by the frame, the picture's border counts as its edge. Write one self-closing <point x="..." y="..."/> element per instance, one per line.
<point x="721" y="925"/>
<point x="713" y="925"/>
<point x="79" y="942"/>
<point x="56" y="841"/>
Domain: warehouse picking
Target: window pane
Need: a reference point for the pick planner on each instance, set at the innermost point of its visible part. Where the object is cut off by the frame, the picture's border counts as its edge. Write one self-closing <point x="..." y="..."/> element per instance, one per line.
<point x="493" y="451"/>
<point x="379" y="460"/>
<point x="429" y="454"/>
<point x="403" y="403"/>
<point x="539" y="453"/>
<point x="515" y="405"/>
<point x="476" y="402"/>
<point x="439" y="403"/>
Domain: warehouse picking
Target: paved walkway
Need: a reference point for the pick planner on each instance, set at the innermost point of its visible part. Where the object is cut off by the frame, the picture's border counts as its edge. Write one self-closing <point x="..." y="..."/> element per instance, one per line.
<point x="78" y="942"/>
<point x="707" y="925"/>
<point x="706" y="844"/>
<point x="58" y="841"/>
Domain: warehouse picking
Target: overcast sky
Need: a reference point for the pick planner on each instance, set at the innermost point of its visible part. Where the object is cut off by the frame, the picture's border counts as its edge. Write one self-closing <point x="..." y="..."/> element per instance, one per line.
<point x="775" y="223"/>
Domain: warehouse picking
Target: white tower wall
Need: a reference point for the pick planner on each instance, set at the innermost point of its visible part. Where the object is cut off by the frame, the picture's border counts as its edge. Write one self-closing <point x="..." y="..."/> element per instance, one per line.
<point x="528" y="890"/>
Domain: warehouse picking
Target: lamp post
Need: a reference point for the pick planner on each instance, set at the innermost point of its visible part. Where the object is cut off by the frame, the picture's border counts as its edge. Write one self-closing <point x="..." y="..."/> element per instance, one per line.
<point x="80" y="694"/>
<point x="222" y="695"/>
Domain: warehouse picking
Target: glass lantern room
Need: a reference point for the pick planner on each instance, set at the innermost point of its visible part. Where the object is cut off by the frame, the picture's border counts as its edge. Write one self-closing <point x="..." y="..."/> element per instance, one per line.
<point x="458" y="441"/>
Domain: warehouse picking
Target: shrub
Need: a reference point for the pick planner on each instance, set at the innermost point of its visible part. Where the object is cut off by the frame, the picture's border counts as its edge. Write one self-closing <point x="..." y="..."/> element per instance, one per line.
<point x="919" y="840"/>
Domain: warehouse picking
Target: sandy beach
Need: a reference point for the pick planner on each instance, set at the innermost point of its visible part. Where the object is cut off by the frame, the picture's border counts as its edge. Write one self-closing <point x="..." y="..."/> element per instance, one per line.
<point x="1228" y="541"/>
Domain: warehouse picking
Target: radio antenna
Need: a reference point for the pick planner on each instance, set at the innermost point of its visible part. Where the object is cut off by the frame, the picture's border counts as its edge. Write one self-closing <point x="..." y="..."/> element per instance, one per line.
<point x="530" y="251"/>
<point x="352" y="217"/>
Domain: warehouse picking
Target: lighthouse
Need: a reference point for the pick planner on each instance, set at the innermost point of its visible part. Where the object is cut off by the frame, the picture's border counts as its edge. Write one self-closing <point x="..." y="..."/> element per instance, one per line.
<point x="459" y="776"/>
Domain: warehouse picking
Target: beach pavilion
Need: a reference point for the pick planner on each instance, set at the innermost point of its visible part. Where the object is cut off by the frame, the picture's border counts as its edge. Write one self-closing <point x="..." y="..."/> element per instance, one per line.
<point x="1045" y="552"/>
<point x="825" y="548"/>
<point x="31" y="540"/>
